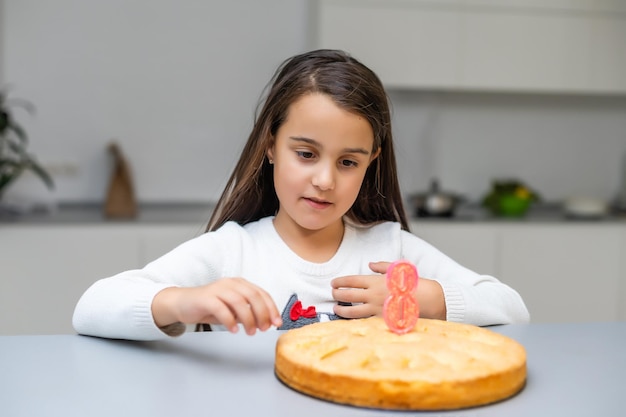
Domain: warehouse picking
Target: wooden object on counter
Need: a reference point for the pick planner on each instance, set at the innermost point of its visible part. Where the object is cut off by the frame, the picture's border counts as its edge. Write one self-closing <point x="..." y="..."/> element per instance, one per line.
<point x="120" y="200"/>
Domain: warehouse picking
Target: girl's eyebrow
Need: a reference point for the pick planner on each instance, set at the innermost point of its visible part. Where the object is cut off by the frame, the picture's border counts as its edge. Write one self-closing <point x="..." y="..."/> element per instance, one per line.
<point x="319" y="145"/>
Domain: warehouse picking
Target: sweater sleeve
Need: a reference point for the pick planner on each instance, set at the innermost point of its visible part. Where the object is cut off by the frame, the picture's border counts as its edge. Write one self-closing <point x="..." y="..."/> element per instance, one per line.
<point x="470" y="297"/>
<point x="120" y="306"/>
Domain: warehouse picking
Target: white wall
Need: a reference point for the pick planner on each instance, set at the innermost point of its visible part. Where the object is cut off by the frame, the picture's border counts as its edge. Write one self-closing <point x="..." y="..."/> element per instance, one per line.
<point x="560" y="145"/>
<point x="176" y="83"/>
<point x="1" y="42"/>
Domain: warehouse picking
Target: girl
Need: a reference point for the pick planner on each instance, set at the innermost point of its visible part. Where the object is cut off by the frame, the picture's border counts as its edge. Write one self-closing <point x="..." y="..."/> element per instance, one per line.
<point x="304" y="231"/>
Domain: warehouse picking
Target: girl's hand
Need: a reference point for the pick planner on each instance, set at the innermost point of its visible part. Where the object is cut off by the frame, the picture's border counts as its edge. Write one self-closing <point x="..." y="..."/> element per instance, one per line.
<point x="368" y="293"/>
<point x="228" y="301"/>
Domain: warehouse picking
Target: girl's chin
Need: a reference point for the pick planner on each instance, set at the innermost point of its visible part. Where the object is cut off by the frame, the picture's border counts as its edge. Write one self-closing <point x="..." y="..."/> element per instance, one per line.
<point x="312" y="220"/>
<point x="317" y="224"/>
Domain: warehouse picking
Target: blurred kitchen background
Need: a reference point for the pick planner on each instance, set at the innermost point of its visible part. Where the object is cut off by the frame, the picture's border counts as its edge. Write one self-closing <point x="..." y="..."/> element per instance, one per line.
<point x="482" y="90"/>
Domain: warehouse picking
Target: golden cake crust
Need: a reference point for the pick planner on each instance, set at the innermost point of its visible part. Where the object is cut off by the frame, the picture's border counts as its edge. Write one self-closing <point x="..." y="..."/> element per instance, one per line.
<point x="438" y="365"/>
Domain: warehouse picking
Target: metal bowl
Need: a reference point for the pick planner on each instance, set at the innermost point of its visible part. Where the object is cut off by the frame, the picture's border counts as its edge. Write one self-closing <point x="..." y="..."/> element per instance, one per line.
<point x="434" y="203"/>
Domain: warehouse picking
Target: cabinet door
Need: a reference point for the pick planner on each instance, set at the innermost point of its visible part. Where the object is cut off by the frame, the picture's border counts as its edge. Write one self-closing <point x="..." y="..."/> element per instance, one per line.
<point x="525" y="50"/>
<point x="471" y="245"/>
<point x="541" y="46"/>
<point x="45" y="269"/>
<point x="407" y="43"/>
<point x="608" y="53"/>
<point x="622" y="277"/>
<point x="157" y="240"/>
<point x="565" y="273"/>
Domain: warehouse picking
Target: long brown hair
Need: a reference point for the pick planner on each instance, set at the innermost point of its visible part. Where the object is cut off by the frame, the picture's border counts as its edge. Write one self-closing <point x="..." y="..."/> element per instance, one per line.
<point x="249" y="194"/>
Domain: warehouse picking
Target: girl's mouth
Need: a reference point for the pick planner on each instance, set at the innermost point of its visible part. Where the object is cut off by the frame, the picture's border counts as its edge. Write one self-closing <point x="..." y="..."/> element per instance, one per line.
<point x="318" y="204"/>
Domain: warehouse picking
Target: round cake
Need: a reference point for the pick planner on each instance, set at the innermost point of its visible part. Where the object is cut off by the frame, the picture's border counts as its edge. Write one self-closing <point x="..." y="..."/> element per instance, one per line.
<point x="438" y="365"/>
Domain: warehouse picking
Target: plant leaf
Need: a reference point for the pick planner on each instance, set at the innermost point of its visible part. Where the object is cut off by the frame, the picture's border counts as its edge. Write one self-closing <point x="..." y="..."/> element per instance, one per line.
<point x="6" y="179"/>
<point x="19" y="131"/>
<point x="14" y="157"/>
<point x="24" y="104"/>
<point x="41" y="173"/>
<point x="4" y="122"/>
<point x="18" y="149"/>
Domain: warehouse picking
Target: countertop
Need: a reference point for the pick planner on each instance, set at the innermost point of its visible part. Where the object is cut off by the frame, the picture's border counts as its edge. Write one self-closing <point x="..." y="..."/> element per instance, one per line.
<point x="574" y="369"/>
<point x="199" y="213"/>
<point x="93" y="214"/>
<point x="549" y="212"/>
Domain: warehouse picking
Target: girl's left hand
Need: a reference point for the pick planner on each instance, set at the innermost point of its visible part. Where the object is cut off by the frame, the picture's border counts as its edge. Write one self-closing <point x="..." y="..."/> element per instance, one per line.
<point x="368" y="294"/>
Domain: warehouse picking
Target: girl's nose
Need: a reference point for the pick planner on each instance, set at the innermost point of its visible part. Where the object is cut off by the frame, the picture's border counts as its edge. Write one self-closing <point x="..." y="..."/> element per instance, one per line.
<point x="324" y="177"/>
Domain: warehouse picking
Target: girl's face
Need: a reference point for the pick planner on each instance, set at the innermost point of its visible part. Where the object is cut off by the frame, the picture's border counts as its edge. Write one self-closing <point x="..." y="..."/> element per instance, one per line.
<point x="320" y="154"/>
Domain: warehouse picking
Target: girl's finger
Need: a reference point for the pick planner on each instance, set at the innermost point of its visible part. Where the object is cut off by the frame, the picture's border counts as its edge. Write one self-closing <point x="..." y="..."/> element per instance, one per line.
<point x="379" y="267"/>
<point x="349" y="295"/>
<point x="240" y="307"/>
<point x="355" y="311"/>
<point x="273" y="315"/>
<point x="261" y="310"/>
<point x="350" y="281"/>
<point x="222" y="314"/>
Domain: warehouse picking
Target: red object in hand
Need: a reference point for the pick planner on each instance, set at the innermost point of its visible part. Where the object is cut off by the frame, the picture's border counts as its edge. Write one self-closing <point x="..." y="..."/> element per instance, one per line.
<point x="400" y="309"/>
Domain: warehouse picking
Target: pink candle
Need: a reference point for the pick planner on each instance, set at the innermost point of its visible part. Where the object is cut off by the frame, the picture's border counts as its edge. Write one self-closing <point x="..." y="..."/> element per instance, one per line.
<point x="401" y="310"/>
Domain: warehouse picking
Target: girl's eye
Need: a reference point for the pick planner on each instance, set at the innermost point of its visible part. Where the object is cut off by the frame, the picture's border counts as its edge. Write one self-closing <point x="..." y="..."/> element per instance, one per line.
<point x="349" y="163"/>
<point x="305" y="154"/>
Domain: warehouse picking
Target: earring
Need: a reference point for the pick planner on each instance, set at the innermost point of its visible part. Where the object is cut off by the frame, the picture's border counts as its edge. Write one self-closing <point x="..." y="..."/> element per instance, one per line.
<point x="271" y="161"/>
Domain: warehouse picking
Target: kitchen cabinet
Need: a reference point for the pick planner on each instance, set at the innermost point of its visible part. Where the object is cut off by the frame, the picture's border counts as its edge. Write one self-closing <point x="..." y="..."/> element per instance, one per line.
<point x="471" y="246"/>
<point x="607" y="72"/>
<point x="406" y="45"/>
<point x="554" y="46"/>
<point x="45" y="269"/>
<point x="565" y="271"/>
<point x="622" y="277"/>
<point x="519" y="50"/>
<point x="156" y="240"/>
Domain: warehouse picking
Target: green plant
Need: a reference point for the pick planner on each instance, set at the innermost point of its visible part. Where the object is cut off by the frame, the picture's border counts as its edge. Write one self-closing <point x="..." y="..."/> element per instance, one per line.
<point x="510" y="198"/>
<point x="14" y="155"/>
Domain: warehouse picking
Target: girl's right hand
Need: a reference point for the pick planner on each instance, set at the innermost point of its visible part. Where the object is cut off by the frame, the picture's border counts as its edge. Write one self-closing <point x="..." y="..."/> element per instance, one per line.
<point x="228" y="301"/>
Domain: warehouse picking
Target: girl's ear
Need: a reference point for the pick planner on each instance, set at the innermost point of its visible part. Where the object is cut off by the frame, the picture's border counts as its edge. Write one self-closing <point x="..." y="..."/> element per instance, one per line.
<point x="375" y="155"/>
<point x="270" y="154"/>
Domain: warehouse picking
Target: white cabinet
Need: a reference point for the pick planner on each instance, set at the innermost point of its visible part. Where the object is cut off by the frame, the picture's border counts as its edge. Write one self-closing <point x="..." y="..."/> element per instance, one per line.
<point x="471" y="246"/>
<point x="524" y="50"/>
<point x="565" y="272"/>
<point x="405" y="46"/>
<point x="44" y="269"/>
<point x="540" y="46"/>
<point x="622" y="282"/>
<point x="157" y="240"/>
<point x="607" y="70"/>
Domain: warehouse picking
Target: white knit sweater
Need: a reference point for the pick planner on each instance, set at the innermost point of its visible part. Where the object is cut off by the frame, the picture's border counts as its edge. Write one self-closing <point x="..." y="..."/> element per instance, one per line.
<point x="120" y="306"/>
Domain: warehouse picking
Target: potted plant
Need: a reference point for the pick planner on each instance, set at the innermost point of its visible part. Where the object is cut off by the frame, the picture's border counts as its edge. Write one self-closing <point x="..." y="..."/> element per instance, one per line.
<point x="14" y="155"/>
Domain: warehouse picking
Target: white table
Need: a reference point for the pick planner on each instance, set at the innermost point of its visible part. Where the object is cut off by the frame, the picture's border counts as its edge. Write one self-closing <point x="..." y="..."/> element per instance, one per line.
<point x="573" y="370"/>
